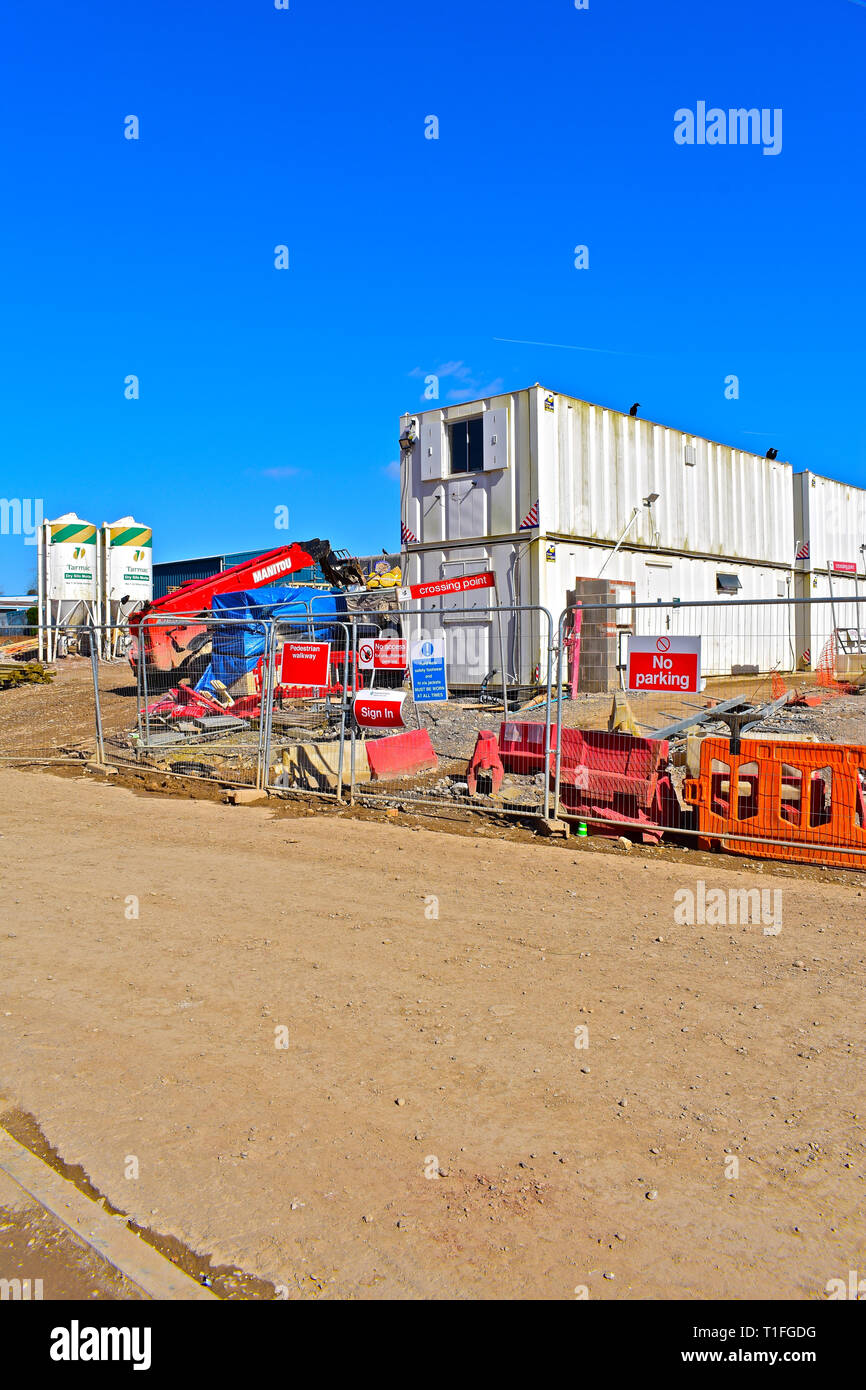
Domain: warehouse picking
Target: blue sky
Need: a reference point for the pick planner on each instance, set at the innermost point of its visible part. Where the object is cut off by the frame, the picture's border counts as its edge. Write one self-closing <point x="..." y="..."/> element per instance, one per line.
<point x="408" y="256"/>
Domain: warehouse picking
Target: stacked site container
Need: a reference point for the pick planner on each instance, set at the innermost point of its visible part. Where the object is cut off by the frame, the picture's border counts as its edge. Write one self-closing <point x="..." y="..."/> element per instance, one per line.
<point x="830" y="527"/>
<point x="721" y="525"/>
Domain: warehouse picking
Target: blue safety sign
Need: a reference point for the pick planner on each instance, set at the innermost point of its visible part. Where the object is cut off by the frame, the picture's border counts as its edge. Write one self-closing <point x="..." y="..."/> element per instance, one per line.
<point x="427" y="664"/>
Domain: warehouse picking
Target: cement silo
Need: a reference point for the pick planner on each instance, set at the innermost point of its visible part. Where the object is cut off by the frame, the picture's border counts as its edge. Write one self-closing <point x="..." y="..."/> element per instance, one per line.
<point x="68" y="587"/>
<point x="125" y="574"/>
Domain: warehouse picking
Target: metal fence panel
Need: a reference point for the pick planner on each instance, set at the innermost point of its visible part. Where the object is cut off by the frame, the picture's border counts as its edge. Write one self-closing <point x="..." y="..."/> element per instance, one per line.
<point x="48" y="711"/>
<point x="734" y="764"/>
<point x="428" y="763"/>
<point x="197" y="708"/>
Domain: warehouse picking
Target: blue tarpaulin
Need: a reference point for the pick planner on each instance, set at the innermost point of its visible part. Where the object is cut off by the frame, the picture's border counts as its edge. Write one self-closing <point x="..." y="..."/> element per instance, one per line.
<point x="237" y="645"/>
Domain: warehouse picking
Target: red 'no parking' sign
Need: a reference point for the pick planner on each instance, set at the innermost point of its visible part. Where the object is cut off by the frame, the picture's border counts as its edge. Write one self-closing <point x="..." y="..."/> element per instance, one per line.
<point x="664" y="663"/>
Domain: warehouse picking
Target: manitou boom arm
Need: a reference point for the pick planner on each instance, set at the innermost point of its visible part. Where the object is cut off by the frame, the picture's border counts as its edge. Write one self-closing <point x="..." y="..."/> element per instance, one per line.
<point x="167" y="645"/>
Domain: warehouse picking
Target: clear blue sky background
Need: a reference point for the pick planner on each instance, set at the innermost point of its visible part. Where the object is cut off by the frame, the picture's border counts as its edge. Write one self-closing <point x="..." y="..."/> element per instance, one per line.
<point x="306" y="127"/>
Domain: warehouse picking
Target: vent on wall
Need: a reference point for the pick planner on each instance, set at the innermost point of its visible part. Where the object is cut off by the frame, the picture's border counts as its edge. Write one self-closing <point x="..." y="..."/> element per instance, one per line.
<point x="689" y="456"/>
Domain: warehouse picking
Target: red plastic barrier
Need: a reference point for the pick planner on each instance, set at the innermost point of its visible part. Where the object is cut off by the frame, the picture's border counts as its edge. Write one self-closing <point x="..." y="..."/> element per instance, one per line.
<point x="521" y="745"/>
<point x="616" y="777"/>
<point x="398" y="755"/>
<point x="485" y="760"/>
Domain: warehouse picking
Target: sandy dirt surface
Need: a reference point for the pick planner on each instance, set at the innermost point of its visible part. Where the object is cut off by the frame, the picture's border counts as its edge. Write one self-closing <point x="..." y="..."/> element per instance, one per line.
<point x="418" y="1044"/>
<point x="35" y="1246"/>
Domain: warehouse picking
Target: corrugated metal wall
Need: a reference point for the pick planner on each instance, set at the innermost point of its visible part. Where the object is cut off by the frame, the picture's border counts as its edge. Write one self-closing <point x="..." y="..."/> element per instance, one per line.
<point x="589" y="467"/>
<point x="597" y="465"/>
<point x="831" y="516"/>
<point x="170" y="574"/>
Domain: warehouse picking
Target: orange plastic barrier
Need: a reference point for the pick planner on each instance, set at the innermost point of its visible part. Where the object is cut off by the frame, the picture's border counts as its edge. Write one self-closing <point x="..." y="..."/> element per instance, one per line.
<point x="807" y="798"/>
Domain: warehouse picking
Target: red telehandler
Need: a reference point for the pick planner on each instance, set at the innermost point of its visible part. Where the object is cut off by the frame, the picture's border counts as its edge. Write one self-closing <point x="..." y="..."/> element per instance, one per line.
<point x="168" y="646"/>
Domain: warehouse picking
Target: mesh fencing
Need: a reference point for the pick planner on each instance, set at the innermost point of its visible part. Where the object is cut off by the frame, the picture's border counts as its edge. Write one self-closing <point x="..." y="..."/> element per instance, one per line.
<point x="469" y="735"/>
<point x="763" y="754"/>
<point x="491" y="709"/>
<point x="48" y="710"/>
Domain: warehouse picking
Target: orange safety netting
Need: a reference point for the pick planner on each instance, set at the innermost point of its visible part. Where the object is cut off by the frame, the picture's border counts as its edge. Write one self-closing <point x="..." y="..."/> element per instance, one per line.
<point x="826" y="670"/>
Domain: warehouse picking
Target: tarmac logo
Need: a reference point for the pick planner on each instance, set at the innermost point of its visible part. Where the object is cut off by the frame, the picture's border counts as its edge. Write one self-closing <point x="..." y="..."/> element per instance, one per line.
<point x="738" y="907"/>
<point x="20" y="1290"/>
<point x="75" y="1343"/>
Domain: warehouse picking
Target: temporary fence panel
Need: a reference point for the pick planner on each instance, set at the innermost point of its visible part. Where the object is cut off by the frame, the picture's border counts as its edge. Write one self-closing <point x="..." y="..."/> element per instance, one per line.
<point x="201" y="718"/>
<point x="312" y="675"/>
<point x="463" y="706"/>
<point x="791" y="798"/>
<point x="739" y="640"/>
<point x="48" y="710"/>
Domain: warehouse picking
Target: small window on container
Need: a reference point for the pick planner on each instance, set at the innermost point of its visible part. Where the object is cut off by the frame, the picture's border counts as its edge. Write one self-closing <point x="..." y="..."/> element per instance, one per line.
<point x="728" y="583"/>
<point x="466" y="438"/>
<point x="860" y="798"/>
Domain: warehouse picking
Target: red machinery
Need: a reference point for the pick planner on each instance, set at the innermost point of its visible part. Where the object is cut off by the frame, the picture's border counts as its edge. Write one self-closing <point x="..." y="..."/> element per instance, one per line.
<point x="168" y="645"/>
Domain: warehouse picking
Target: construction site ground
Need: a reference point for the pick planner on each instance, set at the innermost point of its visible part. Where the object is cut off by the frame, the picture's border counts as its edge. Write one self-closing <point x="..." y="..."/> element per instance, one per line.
<point x="293" y="1019"/>
<point x="39" y="719"/>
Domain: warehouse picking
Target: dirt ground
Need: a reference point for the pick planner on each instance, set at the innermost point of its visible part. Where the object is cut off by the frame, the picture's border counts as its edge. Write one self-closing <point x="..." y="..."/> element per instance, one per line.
<point x="291" y="1044"/>
<point x="34" y="1245"/>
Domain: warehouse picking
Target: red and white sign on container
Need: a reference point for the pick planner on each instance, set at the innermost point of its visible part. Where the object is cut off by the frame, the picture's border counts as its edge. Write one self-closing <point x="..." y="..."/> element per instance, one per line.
<point x="844" y="567"/>
<point x="379" y="709"/>
<point x="664" y="663"/>
<point x="383" y="654"/>
<point x="306" y="663"/>
<point x="462" y="584"/>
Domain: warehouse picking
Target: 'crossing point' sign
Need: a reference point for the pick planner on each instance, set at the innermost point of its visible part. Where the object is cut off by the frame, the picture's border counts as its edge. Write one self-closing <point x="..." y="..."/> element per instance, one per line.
<point x="664" y="663"/>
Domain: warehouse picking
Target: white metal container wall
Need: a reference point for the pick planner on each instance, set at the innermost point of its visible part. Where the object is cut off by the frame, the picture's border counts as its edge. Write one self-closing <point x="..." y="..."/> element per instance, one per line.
<point x="831" y="516"/>
<point x="436" y="506"/>
<point x="816" y="620"/>
<point x="472" y="644"/>
<point x="764" y="637"/>
<point x="589" y="467"/>
<point x="597" y="465"/>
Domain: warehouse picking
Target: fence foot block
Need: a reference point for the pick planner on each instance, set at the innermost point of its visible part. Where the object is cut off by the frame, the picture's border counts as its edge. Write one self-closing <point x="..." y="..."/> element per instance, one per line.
<point x="246" y="796"/>
<point x="555" y="827"/>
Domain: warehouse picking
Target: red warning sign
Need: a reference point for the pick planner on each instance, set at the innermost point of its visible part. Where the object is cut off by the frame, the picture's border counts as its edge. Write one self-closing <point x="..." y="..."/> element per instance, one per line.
<point x="664" y="663"/>
<point x="305" y="663"/>
<point x="383" y="654"/>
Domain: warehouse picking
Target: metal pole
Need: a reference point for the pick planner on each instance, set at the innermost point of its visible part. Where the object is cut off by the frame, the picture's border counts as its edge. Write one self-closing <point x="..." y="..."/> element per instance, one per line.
<point x="41" y="616"/>
<point x="344" y="705"/>
<point x="547" y="718"/>
<point x="94" y="666"/>
<point x="143" y="657"/>
<point x="138" y="689"/>
<point x="354" y="686"/>
<point x="628" y="527"/>
<point x="501" y="648"/>
<point x="559" y="642"/>
<point x="266" y="705"/>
